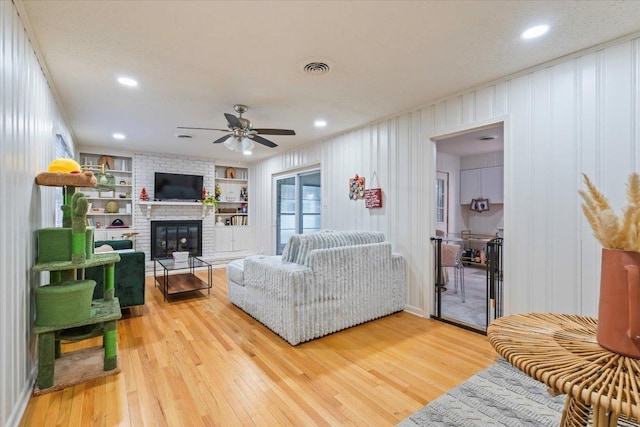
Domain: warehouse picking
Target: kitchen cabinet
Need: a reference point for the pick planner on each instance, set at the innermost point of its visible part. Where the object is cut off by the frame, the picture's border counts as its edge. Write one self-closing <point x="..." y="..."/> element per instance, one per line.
<point x="482" y="183"/>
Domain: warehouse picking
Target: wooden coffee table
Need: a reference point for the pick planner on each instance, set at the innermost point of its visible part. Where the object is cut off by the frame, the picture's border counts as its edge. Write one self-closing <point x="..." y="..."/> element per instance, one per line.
<point x="562" y="352"/>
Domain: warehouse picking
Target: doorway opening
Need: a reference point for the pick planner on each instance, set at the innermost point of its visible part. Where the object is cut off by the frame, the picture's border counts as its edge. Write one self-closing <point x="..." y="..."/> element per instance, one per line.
<point x="469" y="224"/>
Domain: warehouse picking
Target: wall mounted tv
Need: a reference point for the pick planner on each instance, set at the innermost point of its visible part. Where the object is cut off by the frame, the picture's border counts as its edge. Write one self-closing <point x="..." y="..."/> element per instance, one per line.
<point x="173" y="186"/>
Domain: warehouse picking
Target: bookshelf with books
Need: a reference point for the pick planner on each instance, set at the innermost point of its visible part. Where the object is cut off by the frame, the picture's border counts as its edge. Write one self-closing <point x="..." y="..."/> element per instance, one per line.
<point x="110" y="212"/>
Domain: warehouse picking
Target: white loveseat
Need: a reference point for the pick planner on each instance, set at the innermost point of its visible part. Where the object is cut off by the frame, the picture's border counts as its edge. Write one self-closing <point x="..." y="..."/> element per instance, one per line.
<point x="322" y="283"/>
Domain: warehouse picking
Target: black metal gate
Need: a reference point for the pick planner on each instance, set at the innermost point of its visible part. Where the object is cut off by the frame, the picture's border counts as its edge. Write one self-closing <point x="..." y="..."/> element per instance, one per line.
<point x="494" y="284"/>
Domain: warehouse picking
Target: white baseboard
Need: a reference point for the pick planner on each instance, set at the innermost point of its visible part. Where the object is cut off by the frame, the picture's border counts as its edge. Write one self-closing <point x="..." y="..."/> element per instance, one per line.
<point x="23" y="399"/>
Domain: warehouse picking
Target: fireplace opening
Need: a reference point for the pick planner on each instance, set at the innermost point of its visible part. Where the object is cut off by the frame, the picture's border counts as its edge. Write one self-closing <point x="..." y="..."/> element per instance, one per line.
<point x="175" y="236"/>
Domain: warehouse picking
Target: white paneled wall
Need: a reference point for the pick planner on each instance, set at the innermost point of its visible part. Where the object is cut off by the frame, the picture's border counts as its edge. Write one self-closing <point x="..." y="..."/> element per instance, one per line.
<point x="577" y="115"/>
<point x="28" y="124"/>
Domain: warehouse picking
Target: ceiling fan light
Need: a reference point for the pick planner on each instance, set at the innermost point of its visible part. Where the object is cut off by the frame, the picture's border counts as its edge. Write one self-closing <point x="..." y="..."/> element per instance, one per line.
<point x="233" y="143"/>
<point x="247" y="145"/>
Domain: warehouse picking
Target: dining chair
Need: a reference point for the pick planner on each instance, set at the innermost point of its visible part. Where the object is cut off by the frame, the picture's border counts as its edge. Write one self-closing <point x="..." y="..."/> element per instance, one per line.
<point x="451" y="257"/>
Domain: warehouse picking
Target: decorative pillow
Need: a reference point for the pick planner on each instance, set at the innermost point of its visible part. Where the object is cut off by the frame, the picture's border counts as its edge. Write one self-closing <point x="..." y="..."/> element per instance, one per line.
<point x="103" y="248"/>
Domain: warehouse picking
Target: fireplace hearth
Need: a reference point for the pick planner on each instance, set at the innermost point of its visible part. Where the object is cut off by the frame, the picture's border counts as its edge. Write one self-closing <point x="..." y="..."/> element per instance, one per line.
<point x="175" y="236"/>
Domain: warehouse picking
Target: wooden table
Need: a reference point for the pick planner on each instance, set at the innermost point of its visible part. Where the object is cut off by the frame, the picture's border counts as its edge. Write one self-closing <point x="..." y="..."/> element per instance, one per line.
<point x="562" y="352"/>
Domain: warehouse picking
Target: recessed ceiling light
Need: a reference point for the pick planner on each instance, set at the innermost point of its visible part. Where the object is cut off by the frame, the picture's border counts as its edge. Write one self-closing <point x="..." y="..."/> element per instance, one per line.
<point x="118" y="136"/>
<point x="534" y="32"/>
<point x="127" y="81"/>
<point x="246" y="152"/>
<point x="320" y="123"/>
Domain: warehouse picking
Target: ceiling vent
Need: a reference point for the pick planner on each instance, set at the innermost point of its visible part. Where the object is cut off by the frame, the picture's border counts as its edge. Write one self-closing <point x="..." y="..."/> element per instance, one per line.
<point x="316" y="68"/>
<point x="183" y="136"/>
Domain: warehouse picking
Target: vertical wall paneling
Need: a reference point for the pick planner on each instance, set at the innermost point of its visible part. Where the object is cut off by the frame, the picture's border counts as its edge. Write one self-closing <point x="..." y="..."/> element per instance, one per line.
<point x="564" y="173"/>
<point x="539" y="200"/>
<point x="617" y="121"/>
<point x="27" y="144"/>
<point x="576" y="115"/>
<point x="469" y="107"/>
<point x="587" y="147"/>
<point x="484" y="104"/>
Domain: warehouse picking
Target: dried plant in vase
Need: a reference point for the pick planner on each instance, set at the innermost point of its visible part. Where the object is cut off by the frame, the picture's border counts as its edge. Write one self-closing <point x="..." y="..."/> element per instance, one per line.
<point x="611" y="231"/>
<point x="619" y="305"/>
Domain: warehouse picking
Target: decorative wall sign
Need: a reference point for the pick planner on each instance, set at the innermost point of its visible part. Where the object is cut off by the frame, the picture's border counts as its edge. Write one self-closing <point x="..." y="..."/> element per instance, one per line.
<point x="356" y="187"/>
<point x="373" y="198"/>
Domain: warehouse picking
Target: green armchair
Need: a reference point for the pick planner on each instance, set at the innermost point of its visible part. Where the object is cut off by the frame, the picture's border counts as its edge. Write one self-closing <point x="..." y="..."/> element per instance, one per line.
<point x="129" y="274"/>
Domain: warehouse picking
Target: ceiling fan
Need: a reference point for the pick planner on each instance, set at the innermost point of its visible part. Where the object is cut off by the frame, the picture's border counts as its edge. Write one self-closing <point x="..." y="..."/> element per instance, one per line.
<point x="241" y="134"/>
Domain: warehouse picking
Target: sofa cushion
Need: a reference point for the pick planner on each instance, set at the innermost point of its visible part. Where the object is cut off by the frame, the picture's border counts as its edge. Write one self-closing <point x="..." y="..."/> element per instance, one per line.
<point x="334" y="239"/>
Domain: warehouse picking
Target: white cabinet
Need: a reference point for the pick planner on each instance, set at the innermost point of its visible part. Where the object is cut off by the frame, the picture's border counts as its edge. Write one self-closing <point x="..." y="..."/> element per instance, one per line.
<point x="232" y="238"/>
<point x="482" y="183"/>
<point x="107" y="206"/>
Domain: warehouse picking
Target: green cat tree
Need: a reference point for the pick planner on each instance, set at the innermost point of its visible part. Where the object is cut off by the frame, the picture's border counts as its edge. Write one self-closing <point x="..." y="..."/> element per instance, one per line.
<point x="64" y="308"/>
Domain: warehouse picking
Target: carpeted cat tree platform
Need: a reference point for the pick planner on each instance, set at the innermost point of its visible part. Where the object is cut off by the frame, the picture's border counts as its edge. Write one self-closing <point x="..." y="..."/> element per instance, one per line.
<point x="65" y="310"/>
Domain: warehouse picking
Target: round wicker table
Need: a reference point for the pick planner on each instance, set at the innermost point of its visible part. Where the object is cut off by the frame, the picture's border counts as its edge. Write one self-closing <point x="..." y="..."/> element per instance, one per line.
<point x="562" y="352"/>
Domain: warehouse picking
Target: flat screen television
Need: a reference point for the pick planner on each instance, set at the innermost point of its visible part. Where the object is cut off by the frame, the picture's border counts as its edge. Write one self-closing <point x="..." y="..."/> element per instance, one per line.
<point x="173" y="186"/>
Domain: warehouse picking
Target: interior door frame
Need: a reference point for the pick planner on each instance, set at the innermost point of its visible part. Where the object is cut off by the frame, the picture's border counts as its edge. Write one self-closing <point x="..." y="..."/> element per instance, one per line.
<point x="293" y="172"/>
<point x="505" y="121"/>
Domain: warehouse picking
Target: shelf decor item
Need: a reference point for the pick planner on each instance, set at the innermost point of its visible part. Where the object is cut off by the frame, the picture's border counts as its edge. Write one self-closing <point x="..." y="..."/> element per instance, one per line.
<point x="143" y="195"/>
<point x="619" y="306"/>
<point x="111" y="207"/>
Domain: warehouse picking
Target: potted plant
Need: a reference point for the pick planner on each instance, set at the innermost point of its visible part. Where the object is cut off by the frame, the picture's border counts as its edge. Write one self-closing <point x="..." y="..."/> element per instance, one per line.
<point x="209" y="199"/>
<point x="619" y="305"/>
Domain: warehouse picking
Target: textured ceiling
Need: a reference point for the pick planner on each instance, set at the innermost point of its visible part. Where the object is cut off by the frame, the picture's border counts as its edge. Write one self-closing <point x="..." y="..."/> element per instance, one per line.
<point x="195" y="59"/>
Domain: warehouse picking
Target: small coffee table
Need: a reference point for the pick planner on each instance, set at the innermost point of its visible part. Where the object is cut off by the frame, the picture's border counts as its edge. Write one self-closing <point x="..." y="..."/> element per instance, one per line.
<point x="171" y="284"/>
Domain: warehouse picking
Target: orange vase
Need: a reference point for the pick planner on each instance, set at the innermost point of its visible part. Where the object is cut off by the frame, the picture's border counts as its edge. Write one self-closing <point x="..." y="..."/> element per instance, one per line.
<point x="619" y="309"/>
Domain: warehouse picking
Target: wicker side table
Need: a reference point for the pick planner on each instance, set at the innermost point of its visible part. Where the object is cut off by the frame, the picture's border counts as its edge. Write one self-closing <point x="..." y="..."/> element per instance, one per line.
<point x="562" y="352"/>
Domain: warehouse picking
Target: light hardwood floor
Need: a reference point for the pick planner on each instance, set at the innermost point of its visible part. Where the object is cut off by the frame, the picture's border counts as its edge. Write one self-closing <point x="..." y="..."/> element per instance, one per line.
<point x="201" y="361"/>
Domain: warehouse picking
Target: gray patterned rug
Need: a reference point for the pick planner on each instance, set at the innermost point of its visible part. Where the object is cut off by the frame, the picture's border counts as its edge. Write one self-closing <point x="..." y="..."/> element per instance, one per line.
<point x="498" y="396"/>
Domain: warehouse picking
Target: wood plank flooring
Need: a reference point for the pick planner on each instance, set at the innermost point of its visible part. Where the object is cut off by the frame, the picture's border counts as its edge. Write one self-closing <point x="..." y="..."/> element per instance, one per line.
<point x="198" y="360"/>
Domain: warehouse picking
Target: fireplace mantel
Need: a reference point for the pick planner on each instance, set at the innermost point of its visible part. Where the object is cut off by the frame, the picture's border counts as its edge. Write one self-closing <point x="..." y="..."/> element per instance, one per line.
<point x="149" y="206"/>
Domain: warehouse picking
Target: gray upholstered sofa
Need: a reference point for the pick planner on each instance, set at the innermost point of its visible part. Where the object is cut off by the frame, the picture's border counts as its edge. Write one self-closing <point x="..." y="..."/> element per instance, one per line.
<point x="322" y="283"/>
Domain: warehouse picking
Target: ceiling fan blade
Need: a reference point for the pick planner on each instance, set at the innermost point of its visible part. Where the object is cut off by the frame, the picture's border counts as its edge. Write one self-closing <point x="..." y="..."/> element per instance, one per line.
<point x="185" y="127"/>
<point x="234" y="122"/>
<point x="263" y="141"/>
<point x="221" y="139"/>
<point x="275" y="131"/>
